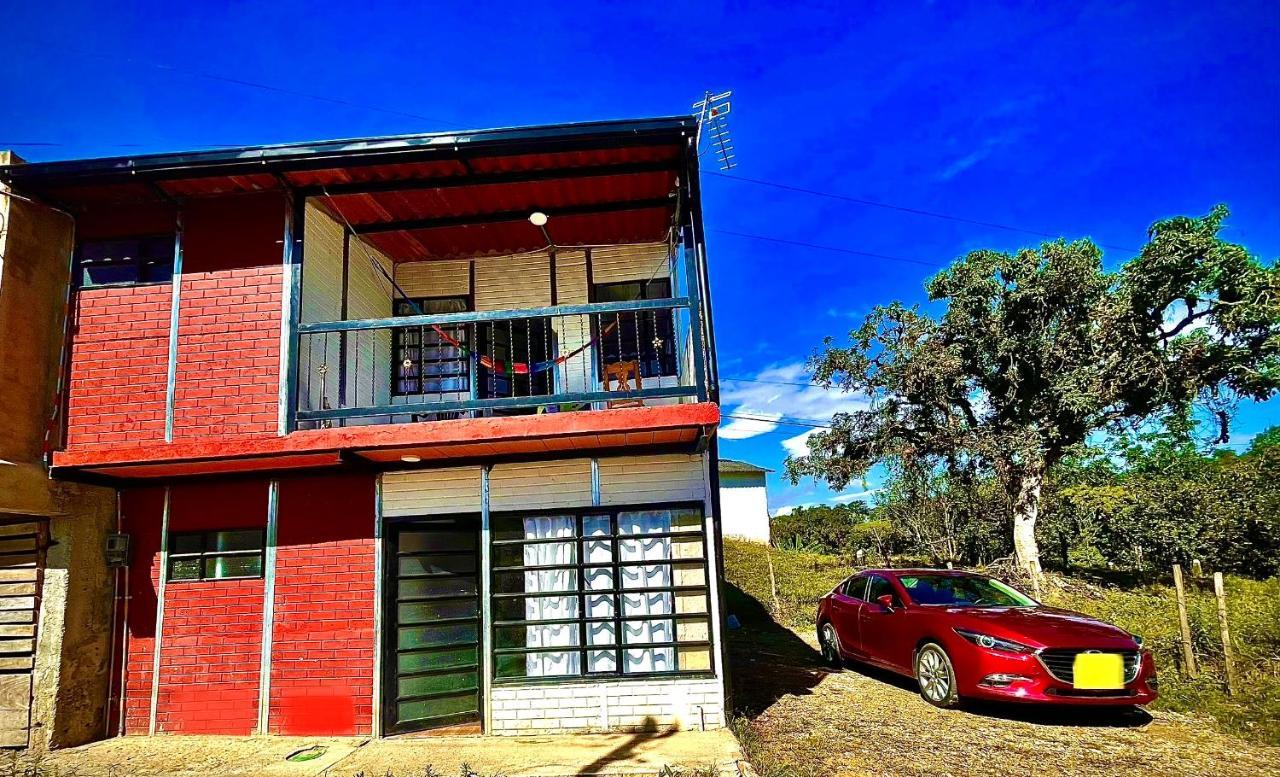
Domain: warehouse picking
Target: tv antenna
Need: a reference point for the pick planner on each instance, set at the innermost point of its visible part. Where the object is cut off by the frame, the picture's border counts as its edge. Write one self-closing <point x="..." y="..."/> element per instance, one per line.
<point x="713" y="111"/>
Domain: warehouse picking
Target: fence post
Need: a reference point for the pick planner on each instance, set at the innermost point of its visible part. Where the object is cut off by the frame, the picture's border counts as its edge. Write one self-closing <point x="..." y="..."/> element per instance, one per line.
<point x="1184" y="625"/>
<point x="1221" y="594"/>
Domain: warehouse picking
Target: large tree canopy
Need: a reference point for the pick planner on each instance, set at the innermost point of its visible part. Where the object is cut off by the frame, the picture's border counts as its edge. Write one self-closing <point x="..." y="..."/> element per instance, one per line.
<point x="1038" y="349"/>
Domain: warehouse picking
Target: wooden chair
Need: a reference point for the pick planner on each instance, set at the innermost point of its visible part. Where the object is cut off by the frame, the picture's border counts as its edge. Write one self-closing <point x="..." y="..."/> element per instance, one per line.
<point x="624" y="372"/>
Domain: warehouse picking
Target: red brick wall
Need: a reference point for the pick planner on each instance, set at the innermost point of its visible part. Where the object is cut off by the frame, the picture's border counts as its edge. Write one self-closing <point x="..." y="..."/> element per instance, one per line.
<point x="323" y="638"/>
<point x="140" y="510"/>
<point x="119" y="362"/>
<point x="211" y="650"/>
<point x="228" y="374"/>
<point x="323" y="643"/>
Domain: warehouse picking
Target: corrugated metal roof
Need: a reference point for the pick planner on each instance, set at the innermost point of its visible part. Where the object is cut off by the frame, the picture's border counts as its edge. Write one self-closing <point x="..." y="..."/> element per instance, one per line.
<point x="437" y="196"/>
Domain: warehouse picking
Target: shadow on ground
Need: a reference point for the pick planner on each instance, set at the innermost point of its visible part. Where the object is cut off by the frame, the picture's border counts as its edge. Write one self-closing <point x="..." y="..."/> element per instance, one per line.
<point x="768" y="660"/>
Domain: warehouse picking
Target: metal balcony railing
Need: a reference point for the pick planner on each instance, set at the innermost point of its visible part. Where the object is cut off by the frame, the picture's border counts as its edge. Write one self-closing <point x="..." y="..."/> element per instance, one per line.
<point x="466" y="365"/>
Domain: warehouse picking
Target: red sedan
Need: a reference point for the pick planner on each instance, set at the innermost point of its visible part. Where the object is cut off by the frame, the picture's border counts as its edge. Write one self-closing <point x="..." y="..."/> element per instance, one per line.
<point x="967" y="636"/>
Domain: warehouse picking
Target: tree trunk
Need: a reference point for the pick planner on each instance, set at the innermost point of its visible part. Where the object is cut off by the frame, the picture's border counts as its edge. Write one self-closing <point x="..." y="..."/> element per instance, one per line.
<point x="1026" y="508"/>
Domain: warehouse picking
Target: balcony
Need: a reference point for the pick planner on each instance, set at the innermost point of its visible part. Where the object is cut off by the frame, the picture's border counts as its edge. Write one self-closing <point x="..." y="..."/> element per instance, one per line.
<point x="426" y="366"/>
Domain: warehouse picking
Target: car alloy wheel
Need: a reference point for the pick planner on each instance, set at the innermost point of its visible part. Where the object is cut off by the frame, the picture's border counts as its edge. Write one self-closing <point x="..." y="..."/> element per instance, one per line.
<point x="831" y="646"/>
<point x="936" y="676"/>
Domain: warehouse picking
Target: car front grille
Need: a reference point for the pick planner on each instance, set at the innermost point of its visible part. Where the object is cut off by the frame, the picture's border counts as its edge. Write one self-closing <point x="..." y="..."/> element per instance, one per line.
<point x="1061" y="663"/>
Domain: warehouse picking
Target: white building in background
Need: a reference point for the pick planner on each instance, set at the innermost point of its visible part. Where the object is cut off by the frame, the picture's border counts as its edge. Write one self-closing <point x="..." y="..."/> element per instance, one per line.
<point x="744" y="502"/>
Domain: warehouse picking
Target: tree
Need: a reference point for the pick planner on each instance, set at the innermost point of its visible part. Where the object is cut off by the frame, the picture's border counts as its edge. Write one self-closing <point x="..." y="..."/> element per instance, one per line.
<point x="1038" y="349"/>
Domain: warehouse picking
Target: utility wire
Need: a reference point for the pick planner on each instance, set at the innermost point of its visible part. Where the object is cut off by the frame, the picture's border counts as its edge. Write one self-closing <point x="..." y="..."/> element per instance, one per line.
<point x="447" y="124"/>
<point x="900" y="208"/>
<point x="836" y="249"/>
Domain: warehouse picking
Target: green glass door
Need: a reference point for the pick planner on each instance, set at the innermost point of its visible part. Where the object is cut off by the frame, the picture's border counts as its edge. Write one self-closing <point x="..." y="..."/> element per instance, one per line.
<point x="432" y="651"/>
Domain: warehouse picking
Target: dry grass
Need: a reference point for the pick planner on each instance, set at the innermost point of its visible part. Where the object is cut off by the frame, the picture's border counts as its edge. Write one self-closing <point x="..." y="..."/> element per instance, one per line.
<point x="799" y="720"/>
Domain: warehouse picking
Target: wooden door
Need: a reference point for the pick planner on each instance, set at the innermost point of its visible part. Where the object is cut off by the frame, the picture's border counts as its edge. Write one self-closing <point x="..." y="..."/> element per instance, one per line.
<point x="21" y="565"/>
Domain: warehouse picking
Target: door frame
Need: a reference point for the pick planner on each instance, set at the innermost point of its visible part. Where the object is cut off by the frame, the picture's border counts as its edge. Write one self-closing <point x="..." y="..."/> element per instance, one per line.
<point x="387" y="682"/>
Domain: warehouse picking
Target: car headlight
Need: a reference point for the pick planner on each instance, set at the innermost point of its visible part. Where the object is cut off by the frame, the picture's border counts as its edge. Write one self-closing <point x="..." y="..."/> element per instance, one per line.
<point x="993" y="643"/>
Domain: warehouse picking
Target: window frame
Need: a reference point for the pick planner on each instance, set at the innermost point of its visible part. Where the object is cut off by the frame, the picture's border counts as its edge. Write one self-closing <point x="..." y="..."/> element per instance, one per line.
<point x="581" y="592"/>
<point x="660" y="318"/>
<point x="859" y="579"/>
<point x="398" y="344"/>
<point x="138" y="264"/>
<point x="205" y="553"/>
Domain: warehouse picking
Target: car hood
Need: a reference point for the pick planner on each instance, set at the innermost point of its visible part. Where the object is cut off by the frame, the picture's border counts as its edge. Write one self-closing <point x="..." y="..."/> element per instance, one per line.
<point x="1041" y="627"/>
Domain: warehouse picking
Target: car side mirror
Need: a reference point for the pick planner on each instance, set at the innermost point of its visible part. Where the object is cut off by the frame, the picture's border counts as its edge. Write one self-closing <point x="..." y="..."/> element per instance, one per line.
<point x="886" y="601"/>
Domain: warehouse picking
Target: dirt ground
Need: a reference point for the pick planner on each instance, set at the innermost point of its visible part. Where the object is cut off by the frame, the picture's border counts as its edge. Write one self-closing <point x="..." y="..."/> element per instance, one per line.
<point x="805" y="720"/>
<point x="690" y="752"/>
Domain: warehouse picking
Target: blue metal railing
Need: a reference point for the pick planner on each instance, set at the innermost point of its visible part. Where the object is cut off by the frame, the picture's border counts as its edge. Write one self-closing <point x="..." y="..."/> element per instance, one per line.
<point x="464" y="365"/>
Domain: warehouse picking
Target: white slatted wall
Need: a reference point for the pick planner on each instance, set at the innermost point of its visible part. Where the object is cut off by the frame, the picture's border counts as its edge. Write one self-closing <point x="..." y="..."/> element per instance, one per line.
<point x="540" y="485"/>
<point x="431" y="491"/>
<point x="634" y="480"/>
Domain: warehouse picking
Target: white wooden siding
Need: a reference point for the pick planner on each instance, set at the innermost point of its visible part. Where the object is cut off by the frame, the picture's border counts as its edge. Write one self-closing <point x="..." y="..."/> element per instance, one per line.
<point x="513" y="282"/>
<point x="540" y="485"/>
<point x="369" y="295"/>
<point x="321" y="301"/>
<point x="431" y="491"/>
<point x="321" y="266"/>
<point x="675" y="477"/>
<point x="435" y="279"/>
<point x="615" y="264"/>
<point x="571" y="277"/>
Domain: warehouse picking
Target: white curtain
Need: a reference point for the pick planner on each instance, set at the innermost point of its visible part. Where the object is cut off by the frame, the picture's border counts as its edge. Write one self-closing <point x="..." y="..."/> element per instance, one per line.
<point x="556" y="607"/>
<point x="638" y="602"/>
<point x="600" y="605"/>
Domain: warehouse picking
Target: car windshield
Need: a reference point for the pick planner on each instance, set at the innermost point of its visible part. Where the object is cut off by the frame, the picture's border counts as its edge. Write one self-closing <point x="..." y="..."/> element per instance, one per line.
<point x="962" y="591"/>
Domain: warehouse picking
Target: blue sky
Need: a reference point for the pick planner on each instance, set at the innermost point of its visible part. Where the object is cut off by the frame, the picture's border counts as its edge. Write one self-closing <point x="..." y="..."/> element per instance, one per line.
<point x="1074" y="119"/>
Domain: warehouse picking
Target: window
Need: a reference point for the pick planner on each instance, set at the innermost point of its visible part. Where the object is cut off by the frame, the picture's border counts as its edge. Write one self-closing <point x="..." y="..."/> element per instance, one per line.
<point x="878" y="587"/>
<point x="216" y="555"/>
<point x="600" y="592"/>
<point x="126" y="261"/>
<point x="855" y="587"/>
<point x="644" y="336"/>
<point x="515" y="341"/>
<point x="426" y="362"/>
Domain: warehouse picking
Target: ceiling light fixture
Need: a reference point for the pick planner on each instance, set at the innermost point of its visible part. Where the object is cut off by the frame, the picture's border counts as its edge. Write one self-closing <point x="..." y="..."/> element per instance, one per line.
<point x="409" y="458"/>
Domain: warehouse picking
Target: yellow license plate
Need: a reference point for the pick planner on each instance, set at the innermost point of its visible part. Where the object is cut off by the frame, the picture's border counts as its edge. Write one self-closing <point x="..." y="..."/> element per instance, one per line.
<point x="1099" y="671"/>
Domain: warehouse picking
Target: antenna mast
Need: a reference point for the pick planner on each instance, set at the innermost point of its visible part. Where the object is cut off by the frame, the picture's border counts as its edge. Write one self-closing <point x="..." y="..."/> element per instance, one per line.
<point x="713" y="111"/>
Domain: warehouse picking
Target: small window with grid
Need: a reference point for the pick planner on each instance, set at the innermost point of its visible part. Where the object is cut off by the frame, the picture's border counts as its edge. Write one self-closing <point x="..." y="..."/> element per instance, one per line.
<point x="216" y="555"/>
<point x="125" y="261"/>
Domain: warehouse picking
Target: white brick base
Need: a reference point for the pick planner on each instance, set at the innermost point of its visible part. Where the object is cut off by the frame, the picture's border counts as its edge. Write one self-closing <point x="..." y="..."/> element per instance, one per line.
<point x="629" y="705"/>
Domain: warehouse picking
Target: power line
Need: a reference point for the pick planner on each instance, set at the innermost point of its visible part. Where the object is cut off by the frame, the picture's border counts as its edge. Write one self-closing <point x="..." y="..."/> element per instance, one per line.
<point x="447" y="124"/>
<point x="772" y="382"/>
<point x="811" y="423"/>
<point x="900" y="208"/>
<point x="835" y="249"/>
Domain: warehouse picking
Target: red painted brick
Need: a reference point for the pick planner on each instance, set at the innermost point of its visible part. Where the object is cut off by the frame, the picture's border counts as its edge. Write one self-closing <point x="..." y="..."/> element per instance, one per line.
<point x="323" y="640"/>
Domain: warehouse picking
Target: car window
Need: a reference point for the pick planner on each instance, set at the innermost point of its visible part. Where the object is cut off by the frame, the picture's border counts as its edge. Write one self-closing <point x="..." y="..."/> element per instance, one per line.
<point x="962" y="591"/>
<point x="879" y="587"/>
<point x="855" y="587"/>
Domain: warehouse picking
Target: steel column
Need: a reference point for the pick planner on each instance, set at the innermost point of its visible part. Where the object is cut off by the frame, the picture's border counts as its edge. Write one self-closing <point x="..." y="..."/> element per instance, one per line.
<point x="268" y="605"/>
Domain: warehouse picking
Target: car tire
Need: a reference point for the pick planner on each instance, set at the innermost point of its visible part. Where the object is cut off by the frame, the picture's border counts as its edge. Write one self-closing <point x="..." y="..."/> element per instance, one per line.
<point x="829" y="639"/>
<point x="936" y="676"/>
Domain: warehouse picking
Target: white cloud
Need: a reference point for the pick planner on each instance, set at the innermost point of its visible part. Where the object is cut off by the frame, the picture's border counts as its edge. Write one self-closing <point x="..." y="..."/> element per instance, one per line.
<point x="749" y="424"/>
<point x="780" y="394"/>
<point x="845" y="499"/>
<point x="798" y="446"/>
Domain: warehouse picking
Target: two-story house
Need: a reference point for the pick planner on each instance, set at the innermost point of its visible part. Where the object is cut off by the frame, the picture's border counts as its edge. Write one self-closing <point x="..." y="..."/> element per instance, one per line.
<point x="407" y="432"/>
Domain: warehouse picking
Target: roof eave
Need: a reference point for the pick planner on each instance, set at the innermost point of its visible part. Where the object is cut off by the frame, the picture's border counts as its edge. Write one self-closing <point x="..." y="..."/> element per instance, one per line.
<point x="374" y="150"/>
